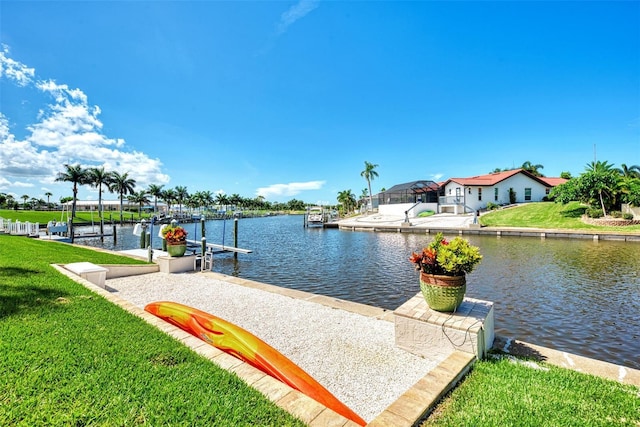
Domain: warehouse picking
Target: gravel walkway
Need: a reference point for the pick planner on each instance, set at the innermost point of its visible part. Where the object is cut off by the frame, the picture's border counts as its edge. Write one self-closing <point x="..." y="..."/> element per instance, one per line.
<point x="352" y="355"/>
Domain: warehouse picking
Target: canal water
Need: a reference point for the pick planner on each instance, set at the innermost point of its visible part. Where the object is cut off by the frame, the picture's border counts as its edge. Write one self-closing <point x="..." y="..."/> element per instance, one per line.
<point x="574" y="295"/>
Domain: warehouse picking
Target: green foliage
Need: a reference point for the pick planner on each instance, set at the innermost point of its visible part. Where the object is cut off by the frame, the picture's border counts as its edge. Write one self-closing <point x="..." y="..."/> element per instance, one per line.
<point x="492" y="206"/>
<point x="546" y="215"/>
<point x="512" y="196"/>
<point x="451" y="258"/>
<point x="70" y="357"/>
<point x="594" y="213"/>
<point x="627" y="216"/>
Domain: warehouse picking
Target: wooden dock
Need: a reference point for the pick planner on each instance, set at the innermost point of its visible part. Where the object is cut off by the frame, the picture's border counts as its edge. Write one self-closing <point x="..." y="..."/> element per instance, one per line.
<point x="215" y="248"/>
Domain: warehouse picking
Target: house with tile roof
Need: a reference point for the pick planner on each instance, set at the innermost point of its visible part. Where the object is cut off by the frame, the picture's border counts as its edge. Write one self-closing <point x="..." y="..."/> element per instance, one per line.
<point x="464" y="195"/>
<point x="471" y="194"/>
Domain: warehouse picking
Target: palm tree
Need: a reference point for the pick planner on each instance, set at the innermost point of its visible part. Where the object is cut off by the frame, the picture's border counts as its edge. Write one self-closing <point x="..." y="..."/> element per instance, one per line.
<point x="169" y="196"/>
<point x="122" y="185"/>
<point x="141" y="199"/>
<point x="48" y="194"/>
<point x="532" y="169"/>
<point x="347" y="199"/>
<point x="181" y="195"/>
<point x="77" y="175"/>
<point x="369" y="174"/>
<point x="24" y="198"/>
<point x="629" y="171"/>
<point x="155" y="191"/>
<point x="222" y="200"/>
<point x="97" y="177"/>
<point x="206" y="198"/>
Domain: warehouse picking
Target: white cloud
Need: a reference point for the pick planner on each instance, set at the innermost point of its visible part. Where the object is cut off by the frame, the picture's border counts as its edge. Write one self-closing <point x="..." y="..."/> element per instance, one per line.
<point x="436" y="177"/>
<point x="294" y="13"/>
<point x="14" y="70"/>
<point x="68" y="130"/>
<point x="291" y="189"/>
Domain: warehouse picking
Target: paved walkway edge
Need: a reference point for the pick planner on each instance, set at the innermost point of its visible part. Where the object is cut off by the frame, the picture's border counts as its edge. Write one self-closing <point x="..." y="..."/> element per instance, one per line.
<point x="412" y="406"/>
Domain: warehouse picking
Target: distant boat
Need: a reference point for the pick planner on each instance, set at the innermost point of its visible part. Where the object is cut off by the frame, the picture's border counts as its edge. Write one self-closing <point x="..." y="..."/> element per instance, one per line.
<point x="315" y="216"/>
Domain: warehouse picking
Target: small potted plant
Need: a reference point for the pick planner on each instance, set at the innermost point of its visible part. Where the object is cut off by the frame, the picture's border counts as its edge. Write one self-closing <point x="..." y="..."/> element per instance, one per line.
<point x="176" y="239"/>
<point x="443" y="266"/>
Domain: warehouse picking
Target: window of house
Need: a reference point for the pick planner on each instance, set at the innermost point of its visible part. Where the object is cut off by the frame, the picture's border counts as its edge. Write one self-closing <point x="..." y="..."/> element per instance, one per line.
<point x="495" y="194"/>
<point x="479" y="193"/>
<point x="527" y="194"/>
<point x="546" y="191"/>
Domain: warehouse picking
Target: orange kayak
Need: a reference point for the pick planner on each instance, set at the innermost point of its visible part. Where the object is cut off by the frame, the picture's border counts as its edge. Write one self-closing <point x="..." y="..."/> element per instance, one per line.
<point x="247" y="347"/>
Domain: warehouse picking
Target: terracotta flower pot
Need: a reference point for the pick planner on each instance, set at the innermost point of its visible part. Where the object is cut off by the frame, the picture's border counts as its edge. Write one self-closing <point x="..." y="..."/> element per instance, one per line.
<point x="443" y="293"/>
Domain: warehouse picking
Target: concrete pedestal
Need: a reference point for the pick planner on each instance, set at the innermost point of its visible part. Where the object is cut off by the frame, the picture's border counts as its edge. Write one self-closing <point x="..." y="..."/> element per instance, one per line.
<point x="91" y="272"/>
<point x="425" y="332"/>
<point x="169" y="264"/>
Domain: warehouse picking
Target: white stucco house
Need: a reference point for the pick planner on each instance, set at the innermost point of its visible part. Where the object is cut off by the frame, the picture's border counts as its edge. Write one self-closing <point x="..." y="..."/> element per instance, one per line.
<point x="464" y="195"/>
<point x="471" y="194"/>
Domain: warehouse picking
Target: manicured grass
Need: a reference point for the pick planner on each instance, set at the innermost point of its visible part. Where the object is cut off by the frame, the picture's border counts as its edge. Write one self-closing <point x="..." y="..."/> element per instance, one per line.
<point x="503" y="393"/>
<point x="69" y="357"/>
<point x="546" y="215"/>
<point x="43" y="217"/>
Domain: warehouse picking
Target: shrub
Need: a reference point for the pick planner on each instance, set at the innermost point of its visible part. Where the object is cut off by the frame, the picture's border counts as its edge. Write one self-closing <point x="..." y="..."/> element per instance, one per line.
<point x="594" y="213"/>
<point x="616" y="214"/>
<point x="628" y="216"/>
<point x="492" y="206"/>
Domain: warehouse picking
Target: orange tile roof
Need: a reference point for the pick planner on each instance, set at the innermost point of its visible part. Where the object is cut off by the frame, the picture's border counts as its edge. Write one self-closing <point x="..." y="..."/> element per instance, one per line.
<point x="494" y="178"/>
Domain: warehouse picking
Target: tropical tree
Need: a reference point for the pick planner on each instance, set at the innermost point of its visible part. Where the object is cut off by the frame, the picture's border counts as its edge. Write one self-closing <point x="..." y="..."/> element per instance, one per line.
<point x="48" y="194"/>
<point x="369" y="174"/>
<point x="235" y="200"/>
<point x="155" y="191"/>
<point x="531" y="168"/>
<point x="77" y="175"/>
<point x="347" y="199"/>
<point x="599" y="186"/>
<point x="629" y="171"/>
<point x="140" y="198"/>
<point x="206" y="199"/>
<point x="24" y="198"/>
<point x="122" y="185"/>
<point x="169" y="196"/>
<point x="222" y="200"/>
<point x="565" y="175"/>
<point x="97" y="177"/>
<point x="181" y="196"/>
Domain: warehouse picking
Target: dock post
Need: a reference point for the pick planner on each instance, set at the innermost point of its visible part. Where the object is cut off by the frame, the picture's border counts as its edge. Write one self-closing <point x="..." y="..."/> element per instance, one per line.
<point x="202" y="229"/>
<point x="143" y="234"/>
<point x="203" y="246"/>
<point x="235" y="237"/>
<point x="115" y="239"/>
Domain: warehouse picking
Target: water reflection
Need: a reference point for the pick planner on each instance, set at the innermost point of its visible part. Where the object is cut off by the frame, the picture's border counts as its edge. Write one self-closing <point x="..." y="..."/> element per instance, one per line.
<point x="580" y="296"/>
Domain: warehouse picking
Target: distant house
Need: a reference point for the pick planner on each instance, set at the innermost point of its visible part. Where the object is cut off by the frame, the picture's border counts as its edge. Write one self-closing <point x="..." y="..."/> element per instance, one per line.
<point x="462" y="195"/>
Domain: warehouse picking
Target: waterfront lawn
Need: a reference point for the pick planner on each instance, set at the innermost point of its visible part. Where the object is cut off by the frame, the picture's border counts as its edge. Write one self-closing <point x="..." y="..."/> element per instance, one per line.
<point x="43" y="217"/>
<point x="546" y="215"/>
<point x="70" y="357"/>
<point x="503" y="393"/>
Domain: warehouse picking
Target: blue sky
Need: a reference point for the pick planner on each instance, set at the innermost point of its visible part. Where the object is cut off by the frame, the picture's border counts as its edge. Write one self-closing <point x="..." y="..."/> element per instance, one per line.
<point x="289" y="99"/>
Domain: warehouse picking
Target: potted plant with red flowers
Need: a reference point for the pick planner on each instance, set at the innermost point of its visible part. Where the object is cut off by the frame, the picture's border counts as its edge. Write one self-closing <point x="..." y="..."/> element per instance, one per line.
<point x="443" y="266"/>
<point x="176" y="239"/>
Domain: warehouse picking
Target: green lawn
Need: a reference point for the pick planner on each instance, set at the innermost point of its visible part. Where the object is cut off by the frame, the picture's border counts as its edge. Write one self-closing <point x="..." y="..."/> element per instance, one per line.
<point x="501" y="393"/>
<point x="70" y="357"/>
<point x="43" y="217"/>
<point x="546" y="215"/>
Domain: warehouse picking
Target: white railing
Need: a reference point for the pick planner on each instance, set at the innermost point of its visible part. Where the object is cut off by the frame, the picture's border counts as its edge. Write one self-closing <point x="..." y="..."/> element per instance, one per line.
<point x="19" y="228"/>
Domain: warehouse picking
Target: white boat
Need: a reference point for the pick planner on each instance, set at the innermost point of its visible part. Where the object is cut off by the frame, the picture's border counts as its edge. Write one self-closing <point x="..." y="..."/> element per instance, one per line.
<point x="315" y="216"/>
